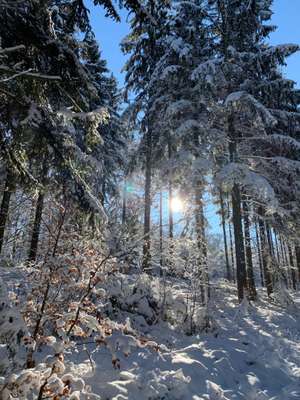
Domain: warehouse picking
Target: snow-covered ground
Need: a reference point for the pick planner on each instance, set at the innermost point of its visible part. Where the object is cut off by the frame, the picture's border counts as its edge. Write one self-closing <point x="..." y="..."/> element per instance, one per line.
<point x="254" y="354"/>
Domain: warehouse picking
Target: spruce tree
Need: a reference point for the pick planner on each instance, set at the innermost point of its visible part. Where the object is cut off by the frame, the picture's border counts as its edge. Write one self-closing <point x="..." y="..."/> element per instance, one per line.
<point x="143" y="45"/>
<point x="235" y="79"/>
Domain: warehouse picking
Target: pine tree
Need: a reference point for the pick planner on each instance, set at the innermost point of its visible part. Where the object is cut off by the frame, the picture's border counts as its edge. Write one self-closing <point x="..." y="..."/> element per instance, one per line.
<point x="143" y="43"/>
<point x="235" y="79"/>
<point x="181" y="147"/>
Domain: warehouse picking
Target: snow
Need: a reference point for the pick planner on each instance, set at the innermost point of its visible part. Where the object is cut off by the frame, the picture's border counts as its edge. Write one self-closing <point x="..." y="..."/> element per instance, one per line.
<point x="180" y="47"/>
<point x="239" y="173"/>
<point x="244" y="99"/>
<point x="253" y="355"/>
<point x="252" y="352"/>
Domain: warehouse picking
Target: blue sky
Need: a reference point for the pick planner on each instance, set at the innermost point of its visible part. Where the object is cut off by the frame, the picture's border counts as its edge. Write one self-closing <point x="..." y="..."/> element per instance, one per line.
<point x="109" y="34"/>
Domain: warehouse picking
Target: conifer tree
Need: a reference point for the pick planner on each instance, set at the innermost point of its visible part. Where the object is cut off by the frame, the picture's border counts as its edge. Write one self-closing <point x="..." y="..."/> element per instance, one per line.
<point x="144" y="46"/>
<point x="242" y="68"/>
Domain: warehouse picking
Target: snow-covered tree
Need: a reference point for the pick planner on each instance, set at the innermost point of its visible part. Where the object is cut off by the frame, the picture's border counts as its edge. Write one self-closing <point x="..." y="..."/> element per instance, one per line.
<point x="144" y="46"/>
<point x="235" y="79"/>
<point x="180" y="115"/>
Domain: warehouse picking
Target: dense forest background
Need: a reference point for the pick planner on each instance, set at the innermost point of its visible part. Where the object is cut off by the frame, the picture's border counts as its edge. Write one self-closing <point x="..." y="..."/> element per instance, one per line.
<point x="104" y="229"/>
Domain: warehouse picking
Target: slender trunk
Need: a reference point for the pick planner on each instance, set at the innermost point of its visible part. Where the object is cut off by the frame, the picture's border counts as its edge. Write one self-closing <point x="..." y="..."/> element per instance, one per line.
<point x="171" y="219"/>
<point x="124" y="203"/>
<point x="161" y="232"/>
<point x="250" y="273"/>
<point x="280" y="260"/>
<point x="170" y="200"/>
<point x="292" y="267"/>
<point x="284" y="261"/>
<point x="264" y="254"/>
<point x="204" y="252"/>
<point x="103" y="194"/>
<point x="277" y="247"/>
<point x="283" y="250"/>
<point x="297" y="252"/>
<point x="201" y="244"/>
<point x="237" y="221"/>
<point x="231" y="250"/>
<point x="259" y="256"/>
<point x="270" y="240"/>
<point x="5" y="206"/>
<point x="36" y="228"/>
<point x="37" y="218"/>
<point x="15" y="233"/>
<point x="239" y="242"/>
<point x="228" y="272"/>
<point x="147" y="205"/>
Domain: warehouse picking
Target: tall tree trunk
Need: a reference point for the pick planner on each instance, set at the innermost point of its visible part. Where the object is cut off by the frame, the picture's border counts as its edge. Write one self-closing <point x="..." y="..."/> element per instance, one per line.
<point x="228" y="272"/>
<point x="124" y="203"/>
<point x="161" y="232"/>
<point x="270" y="240"/>
<point x="264" y="254"/>
<point x="277" y="248"/>
<point x="38" y="218"/>
<point x="36" y="227"/>
<point x="237" y="220"/>
<point x="231" y="250"/>
<point x="259" y="256"/>
<point x="102" y="194"/>
<point x="250" y="273"/>
<point x="297" y="252"/>
<point x="239" y="242"/>
<point x="283" y="250"/>
<point x="204" y="251"/>
<point x="285" y="261"/>
<point x="171" y="219"/>
<point x="201" y="244"/>
<point x="292" y="266"/>
<point x="170" y="200"/>
<point x="5" y="205"/>
<point x="147" y="205"/>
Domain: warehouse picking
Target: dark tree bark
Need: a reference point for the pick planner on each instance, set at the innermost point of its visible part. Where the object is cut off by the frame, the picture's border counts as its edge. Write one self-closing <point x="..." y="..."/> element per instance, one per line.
<point x="147" y="205"/>
<point x="239" y="242"/>
<point x="250" y="273"/>
<point x="8" y="187"/>
<point x="228" y="271"/>
<point x="124" y="203"/>
<point x="259" y="256"/>
<point x="297" y="252"/>
<point x="103" y="193"/>
<point x="264" y="255"/>
<point x="237" y="219"/>
<point x="38" y="218"/>
<point x="36" y="228"/>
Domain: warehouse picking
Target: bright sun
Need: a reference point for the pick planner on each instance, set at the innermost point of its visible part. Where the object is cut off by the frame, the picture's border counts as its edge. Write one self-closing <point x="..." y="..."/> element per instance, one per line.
<point x="176" y="204"/>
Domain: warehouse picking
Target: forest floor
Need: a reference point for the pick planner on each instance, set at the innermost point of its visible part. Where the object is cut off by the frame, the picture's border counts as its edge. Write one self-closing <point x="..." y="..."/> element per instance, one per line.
<point x="253" y="354"/>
